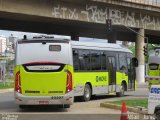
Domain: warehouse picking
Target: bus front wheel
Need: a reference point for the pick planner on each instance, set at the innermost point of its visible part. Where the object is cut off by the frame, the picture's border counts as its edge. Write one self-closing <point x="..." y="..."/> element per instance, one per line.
<point x="121" y="93"/>
<point x="87" y="93"/>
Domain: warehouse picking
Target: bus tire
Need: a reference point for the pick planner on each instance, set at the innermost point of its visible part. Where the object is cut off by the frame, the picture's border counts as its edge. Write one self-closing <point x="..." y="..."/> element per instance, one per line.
<point x="87" y="93"/>
<point x="66" y="106"/>
<point x="121" y="93"/>
<point x="157" y="114"/>
<point x="23" y="106"/>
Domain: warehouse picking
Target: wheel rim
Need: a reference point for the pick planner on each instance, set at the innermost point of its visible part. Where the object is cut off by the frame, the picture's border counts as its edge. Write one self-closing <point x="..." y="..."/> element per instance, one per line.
<point x="87" y="92"/>
<point x="122" y="90"/>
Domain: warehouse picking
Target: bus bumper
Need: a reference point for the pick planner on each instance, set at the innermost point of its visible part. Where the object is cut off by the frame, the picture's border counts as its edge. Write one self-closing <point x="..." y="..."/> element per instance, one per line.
<point x="67" y="99"/>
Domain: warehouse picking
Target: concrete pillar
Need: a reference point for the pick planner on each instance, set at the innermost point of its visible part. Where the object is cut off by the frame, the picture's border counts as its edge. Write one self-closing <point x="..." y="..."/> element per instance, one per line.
<point x="140" y="71"/>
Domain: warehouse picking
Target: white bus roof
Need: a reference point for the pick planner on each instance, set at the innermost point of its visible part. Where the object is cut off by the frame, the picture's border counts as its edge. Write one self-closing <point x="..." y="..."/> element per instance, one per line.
<point x="99" y="46"/>
<point x="84" y="45"/>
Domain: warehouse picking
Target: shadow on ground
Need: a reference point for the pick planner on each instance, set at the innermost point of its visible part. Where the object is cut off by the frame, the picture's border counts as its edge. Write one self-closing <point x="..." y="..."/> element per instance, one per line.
<point x="99" y="97"/>
<point x="42" y="108"/>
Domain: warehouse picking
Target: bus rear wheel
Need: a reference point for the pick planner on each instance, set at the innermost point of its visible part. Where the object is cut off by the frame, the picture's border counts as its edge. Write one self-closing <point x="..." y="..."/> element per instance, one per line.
<point x="23" y="107"/>
<point x="87" y="93"/>
<point x="66" y="106"/>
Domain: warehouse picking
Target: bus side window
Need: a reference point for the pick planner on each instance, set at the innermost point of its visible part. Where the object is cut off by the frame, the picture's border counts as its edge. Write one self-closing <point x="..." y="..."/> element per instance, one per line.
<point x="95" y="60"/>
<point x="117" y="62"/>
<point x="84" y="59"/>
<point x="103" y="61"/>
<point x="129" y="63"/>
<point x="75" y="60"/>
<point x="122" y="61"/>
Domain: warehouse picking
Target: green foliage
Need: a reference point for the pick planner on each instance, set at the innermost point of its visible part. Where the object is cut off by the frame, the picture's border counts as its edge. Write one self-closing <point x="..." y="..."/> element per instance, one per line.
<point x="133" y="102"/>
<point x="6" y="85"/>
<point x="132" y="48"/>
<point x="150" y="47"/>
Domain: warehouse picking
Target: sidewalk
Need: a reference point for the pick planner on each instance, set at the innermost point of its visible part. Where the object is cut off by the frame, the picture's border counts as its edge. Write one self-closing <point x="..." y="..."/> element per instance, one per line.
<point x="7" y="86"/>
<point x="142" y="85"/>
<point x="6" y="90"/>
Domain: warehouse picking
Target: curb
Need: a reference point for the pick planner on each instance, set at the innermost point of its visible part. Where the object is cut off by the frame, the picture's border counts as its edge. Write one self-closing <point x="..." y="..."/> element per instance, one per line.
<point x="6" y="90"/>
<point x="119" y="107"/>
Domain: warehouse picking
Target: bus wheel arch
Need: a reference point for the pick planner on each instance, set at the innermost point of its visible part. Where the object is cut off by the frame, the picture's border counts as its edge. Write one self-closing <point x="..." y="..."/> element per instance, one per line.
<point x="87" y="92"/>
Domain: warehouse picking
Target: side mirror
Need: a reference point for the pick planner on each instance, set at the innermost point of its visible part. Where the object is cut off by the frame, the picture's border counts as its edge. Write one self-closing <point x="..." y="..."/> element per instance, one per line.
<point x="135" y="62"/>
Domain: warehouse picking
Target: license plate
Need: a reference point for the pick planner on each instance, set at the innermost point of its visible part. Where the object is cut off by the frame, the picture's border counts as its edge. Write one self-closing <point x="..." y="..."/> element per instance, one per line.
<point x="43" y="102"/>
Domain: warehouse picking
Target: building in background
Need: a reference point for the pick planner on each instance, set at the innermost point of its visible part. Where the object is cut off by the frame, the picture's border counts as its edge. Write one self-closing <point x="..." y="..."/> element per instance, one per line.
<point x="3" y="44"/>
<point x="3" y="47"/>
<point x="10" y="50"/>
<point x="10" y="54"/>
<point x="7" y="56"/>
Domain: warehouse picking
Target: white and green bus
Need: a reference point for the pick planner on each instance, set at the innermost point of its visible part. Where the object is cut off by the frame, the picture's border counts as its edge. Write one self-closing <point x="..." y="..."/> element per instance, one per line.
<point x="153" y="67"/>
<point x="51" y="71"/>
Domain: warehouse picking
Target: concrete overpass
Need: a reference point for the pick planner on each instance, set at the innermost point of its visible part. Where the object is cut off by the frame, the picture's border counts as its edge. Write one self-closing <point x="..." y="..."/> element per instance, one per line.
<point x="85" y="18"/>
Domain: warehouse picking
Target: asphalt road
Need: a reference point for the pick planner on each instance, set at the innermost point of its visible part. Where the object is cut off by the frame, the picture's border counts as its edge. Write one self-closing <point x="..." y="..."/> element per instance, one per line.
<point x="78" y="111"/>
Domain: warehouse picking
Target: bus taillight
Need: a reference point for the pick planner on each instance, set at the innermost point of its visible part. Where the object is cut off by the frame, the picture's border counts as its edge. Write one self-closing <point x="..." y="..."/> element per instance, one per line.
<point x="18" y="82"/>
<point x="69" y="82"/>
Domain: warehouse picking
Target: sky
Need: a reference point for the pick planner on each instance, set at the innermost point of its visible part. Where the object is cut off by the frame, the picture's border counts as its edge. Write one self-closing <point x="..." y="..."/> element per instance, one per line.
<point x="17" y="34"/>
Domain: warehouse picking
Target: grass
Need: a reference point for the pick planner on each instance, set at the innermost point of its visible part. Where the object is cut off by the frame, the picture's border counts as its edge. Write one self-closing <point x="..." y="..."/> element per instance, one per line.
<point x="133" y="103"/>
<point x="6" y="85"/>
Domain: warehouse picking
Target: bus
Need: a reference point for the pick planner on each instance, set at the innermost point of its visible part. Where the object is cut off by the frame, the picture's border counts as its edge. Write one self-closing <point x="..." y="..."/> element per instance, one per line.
<point x="153" y="67"/>
<point x="51" y="71"/>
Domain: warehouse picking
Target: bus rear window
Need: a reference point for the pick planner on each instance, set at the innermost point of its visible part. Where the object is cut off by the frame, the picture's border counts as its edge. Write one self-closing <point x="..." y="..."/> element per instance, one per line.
<point x="43" y="67"/>
<point x="153" y="66"/>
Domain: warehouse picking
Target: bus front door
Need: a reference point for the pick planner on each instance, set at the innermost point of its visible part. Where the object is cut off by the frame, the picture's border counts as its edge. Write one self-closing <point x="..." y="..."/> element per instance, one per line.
<point x="131" y="74"/>
<point x="112" y="73"/>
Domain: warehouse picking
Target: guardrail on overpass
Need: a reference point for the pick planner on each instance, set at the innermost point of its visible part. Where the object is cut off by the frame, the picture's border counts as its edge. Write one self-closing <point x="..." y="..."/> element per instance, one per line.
<point x="146" y="2"/>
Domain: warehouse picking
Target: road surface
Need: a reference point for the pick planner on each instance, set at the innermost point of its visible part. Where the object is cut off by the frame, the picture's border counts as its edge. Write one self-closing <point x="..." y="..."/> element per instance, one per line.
<point x="78" y="111"/>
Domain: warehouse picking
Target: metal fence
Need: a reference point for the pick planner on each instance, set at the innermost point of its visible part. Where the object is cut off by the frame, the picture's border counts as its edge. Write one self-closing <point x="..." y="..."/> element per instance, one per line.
<point x="146" y="2"/>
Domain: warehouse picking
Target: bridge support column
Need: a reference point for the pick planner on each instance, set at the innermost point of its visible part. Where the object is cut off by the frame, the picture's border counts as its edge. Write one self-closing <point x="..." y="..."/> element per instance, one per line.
<point x="140" y="56"/>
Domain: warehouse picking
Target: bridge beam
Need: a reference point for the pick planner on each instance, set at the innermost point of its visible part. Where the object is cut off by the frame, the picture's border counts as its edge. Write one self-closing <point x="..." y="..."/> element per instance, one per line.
<point x="87" y="18"/>
<point x="140" y="56"/>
